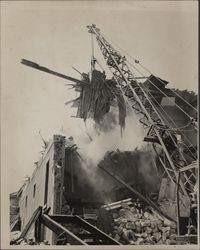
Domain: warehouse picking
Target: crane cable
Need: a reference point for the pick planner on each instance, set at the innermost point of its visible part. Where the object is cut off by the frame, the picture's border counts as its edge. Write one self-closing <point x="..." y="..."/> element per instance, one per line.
<point x="176" y="128"/>
<point x="175" y="125"/>
<point x="159" y="115"/>
<point x="163" y="109"/>
<point x="156" y="112"/>
<point x="100" y="65"/>
<point x="191" y="118"/>
<point x="125" y="97"/>
<point x="136" y="61"/>
<point x="92" y="56"/>
<point x="161" y="92"/>
<point x="172" y="129"/>
<point x="160" y="80"/>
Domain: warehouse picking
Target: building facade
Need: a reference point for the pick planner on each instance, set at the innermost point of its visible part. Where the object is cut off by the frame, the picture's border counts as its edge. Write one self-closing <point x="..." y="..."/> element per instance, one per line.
<point x="44" y="186"/>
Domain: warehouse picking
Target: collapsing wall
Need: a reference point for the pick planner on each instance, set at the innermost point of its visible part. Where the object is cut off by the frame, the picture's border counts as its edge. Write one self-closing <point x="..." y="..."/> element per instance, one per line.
<point x="75" y="189"/>
<point x="90" y="186"/>
<point x="136" y="168"/>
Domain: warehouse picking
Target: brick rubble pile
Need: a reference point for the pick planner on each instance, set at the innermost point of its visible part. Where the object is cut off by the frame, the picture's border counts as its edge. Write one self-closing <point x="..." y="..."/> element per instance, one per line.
<point x="135" y="225"/>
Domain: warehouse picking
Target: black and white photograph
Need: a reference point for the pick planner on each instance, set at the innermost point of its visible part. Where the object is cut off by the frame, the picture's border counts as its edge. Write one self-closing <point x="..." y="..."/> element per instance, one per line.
<point x="99" y="124"/>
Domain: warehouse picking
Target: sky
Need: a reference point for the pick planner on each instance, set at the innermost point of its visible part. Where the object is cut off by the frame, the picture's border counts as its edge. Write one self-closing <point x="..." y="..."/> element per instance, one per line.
<point x="162" y="35"/>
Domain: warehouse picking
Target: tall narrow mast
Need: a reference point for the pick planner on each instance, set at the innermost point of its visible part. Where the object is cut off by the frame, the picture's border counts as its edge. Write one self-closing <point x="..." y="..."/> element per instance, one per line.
<point x="138" y="100"/>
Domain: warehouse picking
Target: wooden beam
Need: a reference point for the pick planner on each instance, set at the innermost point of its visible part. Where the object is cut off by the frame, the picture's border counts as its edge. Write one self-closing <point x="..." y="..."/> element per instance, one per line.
<point x="30" y="223"/>
<point x="59" y="229"/>
<point x="38" y="67"/>
<point x="85" y="225"/>
<point x="139" y="195"/>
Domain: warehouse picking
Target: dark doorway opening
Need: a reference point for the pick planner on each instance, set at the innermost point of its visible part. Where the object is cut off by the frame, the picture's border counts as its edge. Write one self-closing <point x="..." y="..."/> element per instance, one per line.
<point x="46" y="183"/>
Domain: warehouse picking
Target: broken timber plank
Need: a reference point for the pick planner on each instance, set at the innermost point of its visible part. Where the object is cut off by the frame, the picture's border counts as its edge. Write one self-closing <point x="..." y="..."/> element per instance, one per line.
<point x="37" y="66"/>
<point x="59" y="229"/>
<point x="75" y="219"/>
<point x="30" y="223"/>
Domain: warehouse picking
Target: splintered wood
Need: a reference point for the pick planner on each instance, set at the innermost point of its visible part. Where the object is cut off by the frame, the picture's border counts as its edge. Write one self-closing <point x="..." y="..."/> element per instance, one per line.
<point x="97" y="97"/>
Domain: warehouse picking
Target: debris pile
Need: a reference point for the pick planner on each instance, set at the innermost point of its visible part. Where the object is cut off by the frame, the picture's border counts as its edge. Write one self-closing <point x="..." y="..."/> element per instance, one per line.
<point x="138" y="225"/>
<point x="31" y="242"/>
<point x="97" y="96"/>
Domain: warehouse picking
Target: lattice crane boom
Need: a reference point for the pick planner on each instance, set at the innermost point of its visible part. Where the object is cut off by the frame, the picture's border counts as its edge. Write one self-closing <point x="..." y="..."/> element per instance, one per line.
<point x="139" y="101"/>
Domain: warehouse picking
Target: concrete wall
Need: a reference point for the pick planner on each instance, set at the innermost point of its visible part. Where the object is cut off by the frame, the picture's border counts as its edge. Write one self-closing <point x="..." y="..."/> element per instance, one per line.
<point x="30" y="200"/>
<point x="38" y="179"/>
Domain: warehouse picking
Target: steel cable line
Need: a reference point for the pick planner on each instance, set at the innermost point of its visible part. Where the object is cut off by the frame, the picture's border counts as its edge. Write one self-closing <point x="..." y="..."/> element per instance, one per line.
<point x="160" y="80"/>
<point x="138" y="62"/>
<point x="186" y="138"/>
<point x="118" y="79"/>
<point x="167" y="114"/>
<point x="172" y="129"/>
<point x="156" y="112"/>
<point x="159" y="115"/>
<point x="126" y="98"/>
<point x="182" y="128"/>
<point x="191" y="118"/>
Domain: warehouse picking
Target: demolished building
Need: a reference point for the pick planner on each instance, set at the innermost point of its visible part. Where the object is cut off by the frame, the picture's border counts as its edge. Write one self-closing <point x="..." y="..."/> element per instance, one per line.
<point x="137" y="196"/>
<point x="61" y="184"/>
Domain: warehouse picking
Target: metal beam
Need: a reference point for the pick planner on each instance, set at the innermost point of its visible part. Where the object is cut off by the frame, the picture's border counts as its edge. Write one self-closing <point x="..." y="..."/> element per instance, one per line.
<point x="191" y="166"/>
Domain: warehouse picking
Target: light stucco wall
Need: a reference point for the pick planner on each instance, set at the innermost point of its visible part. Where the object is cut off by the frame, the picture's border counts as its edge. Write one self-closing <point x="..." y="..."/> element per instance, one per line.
<point x="50" y="156"/>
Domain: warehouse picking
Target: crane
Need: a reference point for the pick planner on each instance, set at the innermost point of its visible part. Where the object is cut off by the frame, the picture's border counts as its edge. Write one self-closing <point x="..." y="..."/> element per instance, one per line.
<point x="157" y="132"/>
<point x="139" y="100"/>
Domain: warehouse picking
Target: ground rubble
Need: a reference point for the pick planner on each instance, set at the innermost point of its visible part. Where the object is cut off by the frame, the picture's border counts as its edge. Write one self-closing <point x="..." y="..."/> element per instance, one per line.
<point x="31" y="242"/>
<point x="135" y="225"/>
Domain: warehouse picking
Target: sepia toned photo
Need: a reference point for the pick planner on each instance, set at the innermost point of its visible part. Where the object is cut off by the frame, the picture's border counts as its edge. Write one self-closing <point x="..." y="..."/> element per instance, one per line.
<point x="99" y="124"/>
